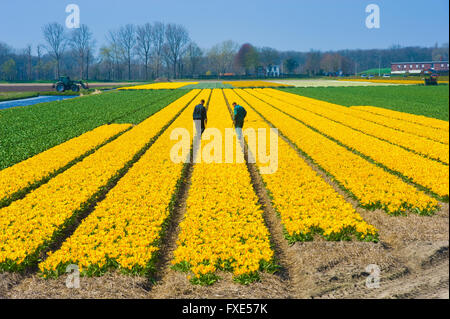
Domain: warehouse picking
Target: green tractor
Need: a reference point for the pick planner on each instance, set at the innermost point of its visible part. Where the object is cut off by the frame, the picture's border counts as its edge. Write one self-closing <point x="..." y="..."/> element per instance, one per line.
<point x="65" y="84"/>
<point x="430" y="77"/>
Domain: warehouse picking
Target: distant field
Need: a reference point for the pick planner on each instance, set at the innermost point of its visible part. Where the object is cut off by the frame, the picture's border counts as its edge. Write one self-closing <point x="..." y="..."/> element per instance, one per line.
<point x="208" y="85"/>
<point x="377" y="71"/>
<point x="421" y="100"/>
<point x="326" y="83"/>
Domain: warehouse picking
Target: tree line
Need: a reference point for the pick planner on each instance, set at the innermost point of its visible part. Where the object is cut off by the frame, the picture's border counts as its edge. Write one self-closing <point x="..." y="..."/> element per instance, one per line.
<point x="166" y="51"/>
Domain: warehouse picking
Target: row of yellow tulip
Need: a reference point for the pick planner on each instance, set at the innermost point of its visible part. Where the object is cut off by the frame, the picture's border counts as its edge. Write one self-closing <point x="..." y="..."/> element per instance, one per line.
<point x="125" y="228"/>
<point x="38" y="167"/>
<point x="305" y="202"/>
<point x="418" y="119"/>
<point x="371" y="185"/>
<point x="423" y="171"/>
<point x="417" y="144"/>
<point x="401" y="125"/>
<point x="413" y="128"/>
<point x="159" y="86"/>
<point x="30" y="224"/>
<point x="409" y="127"/>
<point x="223" y="227"/>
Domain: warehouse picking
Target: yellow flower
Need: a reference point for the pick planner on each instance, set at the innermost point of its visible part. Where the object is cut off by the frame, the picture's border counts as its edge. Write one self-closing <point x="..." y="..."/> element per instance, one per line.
<point x="34" y="169"/>
<point x="364" y="136"/>
<point x="366" y="181"/>
<point x="223" y="221"/>
<point x="28" y="223"/>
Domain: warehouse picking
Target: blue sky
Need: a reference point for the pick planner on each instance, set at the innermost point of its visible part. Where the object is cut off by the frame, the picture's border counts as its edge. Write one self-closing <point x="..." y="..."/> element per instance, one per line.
<point x="283" y="24"/>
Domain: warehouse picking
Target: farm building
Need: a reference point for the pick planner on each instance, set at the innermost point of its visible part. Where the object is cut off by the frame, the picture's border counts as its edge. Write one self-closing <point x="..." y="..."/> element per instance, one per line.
<point x="418" y="67"/>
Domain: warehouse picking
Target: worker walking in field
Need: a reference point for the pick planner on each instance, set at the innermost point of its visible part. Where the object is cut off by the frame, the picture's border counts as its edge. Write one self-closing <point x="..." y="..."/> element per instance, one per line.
<point x="200" y="119"/>
<point x="200" y="116"/>
<point x="238" y="118"/>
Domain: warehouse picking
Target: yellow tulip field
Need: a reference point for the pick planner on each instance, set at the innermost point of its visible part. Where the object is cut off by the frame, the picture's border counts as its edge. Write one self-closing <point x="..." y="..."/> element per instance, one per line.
<point x="224" y="225"/>
<point x="104" y="200"/>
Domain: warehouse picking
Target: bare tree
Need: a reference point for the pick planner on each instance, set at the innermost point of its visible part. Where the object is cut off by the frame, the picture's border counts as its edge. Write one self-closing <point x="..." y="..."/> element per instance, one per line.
<point x="81" y="41"/>
<point x="269" y="56"/>
<point x="106" y="57"/>
<point x="158" y="38"/>
<point x="9" y="70"/>
<point x="89" y="57"/>
<point x="39" y="60"/>
<point x="193" y="56"/>
<point x="144" y="44"/>
<point x="440" y="53"/>
<point x="5" y="52"/>
<point x="312" y="63"/>
<point x="221" y="56"/>
<point x="290" y="64"/>
<point x="167" y="60"/>
<point x="115" y="51"/>
<point x="177" y="38"/>
<point x="329" y="63"/>
<point x="56" y="40"/>
<point x="28" y="55"/>
<point x="127" y="40"/>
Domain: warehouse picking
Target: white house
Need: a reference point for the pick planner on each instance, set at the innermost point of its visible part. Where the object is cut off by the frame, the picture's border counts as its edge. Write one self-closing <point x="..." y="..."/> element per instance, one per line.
<point x="273" y="71"/>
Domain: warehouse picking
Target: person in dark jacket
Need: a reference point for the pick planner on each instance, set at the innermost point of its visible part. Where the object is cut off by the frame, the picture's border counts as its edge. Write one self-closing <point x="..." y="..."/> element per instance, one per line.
<point x="200" y="114"/>
<point x="238" y="118"/>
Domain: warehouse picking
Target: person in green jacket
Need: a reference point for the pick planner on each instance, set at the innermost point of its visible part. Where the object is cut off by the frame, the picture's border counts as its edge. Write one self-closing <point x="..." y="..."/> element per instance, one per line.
<point x="238" y="118"/>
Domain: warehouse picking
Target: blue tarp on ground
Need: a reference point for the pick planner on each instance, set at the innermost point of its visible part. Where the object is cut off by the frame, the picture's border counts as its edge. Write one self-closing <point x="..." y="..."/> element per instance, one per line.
<point x="34" y="100"/>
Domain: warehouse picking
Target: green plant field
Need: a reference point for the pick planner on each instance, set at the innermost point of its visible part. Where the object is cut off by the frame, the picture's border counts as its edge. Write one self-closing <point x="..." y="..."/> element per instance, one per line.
<point x="82" y="91"/>
<point x="376" y="71"/>
<point x="429" y="101"/>
<point x="27" y="131"/>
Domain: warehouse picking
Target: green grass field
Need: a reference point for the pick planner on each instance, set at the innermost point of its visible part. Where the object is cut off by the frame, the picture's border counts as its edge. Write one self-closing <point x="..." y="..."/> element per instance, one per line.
<point x="29" y="130"/>
<point x="432" y="101"/>
<point x="376" y="71"/>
